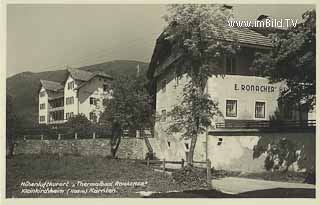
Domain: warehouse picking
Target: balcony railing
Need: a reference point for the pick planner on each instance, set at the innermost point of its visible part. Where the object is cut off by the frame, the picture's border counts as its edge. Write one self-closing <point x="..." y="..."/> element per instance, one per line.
<point x="51" y="109"/>
<point x="56" y="122"/>
<point x="250" y="124"/>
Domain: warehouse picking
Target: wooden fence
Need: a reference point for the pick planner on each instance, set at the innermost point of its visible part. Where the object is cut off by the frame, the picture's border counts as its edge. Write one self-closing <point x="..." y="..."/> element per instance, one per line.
<point x="248" y="124"/>
<point x="58" y="136"/>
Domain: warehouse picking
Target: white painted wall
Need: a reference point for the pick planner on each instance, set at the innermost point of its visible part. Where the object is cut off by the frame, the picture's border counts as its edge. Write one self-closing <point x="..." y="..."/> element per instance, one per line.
<point x="173" y="93"/>
<point x="234" y="153"/>
<point x="93" y="88"/>
<point x="224" y="88"/>
<point x="44" y="112"/>
<point x="70" y="93"/>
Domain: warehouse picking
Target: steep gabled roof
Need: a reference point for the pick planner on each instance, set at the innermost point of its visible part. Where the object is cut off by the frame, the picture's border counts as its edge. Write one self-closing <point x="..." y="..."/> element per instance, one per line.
<point x="101" y="74"/>
<point x="83" y="75"/>
<point x="163" y="54"/>
<point x="247" y="36"/>
<point x="51" y="85"/>
<point x="78" y="74"/>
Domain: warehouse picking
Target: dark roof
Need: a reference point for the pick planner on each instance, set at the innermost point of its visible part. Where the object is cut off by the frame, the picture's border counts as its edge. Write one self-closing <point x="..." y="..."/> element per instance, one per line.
<point x="247" y="36"/>
<point x="83" y="75"/>
<point x="86" y="76"/>
<point x="163" y="56"/>
<point x="101" y="74"/>
<point x="51" y="85"/>
<point x="78" y="74"/>
<point x="94" y="74"/>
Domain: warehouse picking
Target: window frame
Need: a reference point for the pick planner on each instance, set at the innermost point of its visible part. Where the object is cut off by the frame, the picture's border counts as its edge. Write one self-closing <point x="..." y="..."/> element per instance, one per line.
<point x="237" y="106"/>
<point x="93" y="116"/>
<point x="42" y="106"/>
<point x="105" y="86"/>
<point x="70" y="100"/>
<point x="42" y="118"/>
<point x="233" y="63"/>
<point x="95" y="101"/>
<point x="264" y="111"/>
<point x="70" y="85"/>
<point x="163" y="117"/>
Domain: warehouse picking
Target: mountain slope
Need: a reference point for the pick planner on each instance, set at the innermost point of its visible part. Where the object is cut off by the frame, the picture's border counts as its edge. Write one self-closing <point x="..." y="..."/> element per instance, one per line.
<point x="23" y="87"/>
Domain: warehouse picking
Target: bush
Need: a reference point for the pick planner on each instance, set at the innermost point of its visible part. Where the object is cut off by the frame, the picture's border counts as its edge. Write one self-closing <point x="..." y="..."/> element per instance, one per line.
<point x="281" y="155"/>
<point x="191" y="178"/>
<point x="311" y="177"/>
<point x="151" y="156"/>
<point x="216" y="174"/>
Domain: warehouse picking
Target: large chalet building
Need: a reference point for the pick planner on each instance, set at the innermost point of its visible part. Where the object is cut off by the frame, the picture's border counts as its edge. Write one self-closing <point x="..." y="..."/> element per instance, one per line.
<point x="82" y="92"/>
<point x="240" y="93"/>
<point x="245" y="101"/>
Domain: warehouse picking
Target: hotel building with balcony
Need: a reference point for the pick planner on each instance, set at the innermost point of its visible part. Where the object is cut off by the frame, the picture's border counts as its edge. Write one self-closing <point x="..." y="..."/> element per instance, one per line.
<point x="81" y="92"/>
<point x="245" y="100"/>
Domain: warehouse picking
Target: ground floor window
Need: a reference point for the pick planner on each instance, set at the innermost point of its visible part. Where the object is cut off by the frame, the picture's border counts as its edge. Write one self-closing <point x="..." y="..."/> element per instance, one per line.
<point x="69" y="115"/>
<point x="163" y="115"/>
<point x="56" y="115"/>
<point x="231" y="108"/>
<point x="93" y="116"/>
<point x="42" y="118"/>
<point x="260" y="110"/>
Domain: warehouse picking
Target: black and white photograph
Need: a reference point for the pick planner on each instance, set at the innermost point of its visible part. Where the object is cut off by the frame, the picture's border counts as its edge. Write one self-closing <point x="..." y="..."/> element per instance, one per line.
<point x="214" y="100"/>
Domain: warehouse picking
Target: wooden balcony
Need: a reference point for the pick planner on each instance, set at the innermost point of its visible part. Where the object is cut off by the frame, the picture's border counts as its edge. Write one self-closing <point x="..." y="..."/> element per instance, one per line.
<point x="265" y="124"/>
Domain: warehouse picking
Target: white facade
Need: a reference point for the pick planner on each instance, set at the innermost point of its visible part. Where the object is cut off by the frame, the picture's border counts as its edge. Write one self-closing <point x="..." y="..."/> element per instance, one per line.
<point x="43" y="111"/>
<point x="92" y="90"/>
<point x="245" y="90"/>
<point x="75" y="97"/>
<point x="71" y="107"/>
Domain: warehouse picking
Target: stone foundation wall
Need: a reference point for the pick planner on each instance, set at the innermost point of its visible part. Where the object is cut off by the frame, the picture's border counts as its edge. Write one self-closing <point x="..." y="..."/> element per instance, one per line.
<point x="130" y="148"/>
<point x="83" y="147"/>
<point x="234" y="151"/>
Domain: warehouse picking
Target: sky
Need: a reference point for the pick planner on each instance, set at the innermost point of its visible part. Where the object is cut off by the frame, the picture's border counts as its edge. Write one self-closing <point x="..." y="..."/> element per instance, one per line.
<point x="50" y="37"/>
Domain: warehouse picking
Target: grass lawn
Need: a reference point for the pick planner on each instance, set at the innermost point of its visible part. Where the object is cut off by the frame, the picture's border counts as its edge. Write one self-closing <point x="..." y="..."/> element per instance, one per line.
<point x="72" y="169"/>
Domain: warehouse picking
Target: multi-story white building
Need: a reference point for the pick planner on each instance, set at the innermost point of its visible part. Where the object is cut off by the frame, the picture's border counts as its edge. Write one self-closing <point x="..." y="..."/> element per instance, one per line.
<point x="82" y="92"/>
<point x="244" y="99"/>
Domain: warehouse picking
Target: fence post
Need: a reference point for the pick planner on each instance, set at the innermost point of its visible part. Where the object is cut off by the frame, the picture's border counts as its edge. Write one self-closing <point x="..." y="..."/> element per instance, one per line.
<point x="41" y="137"/>
<point x="94" y="135"/>
<point x="209" y="173"/>
<point x="182" y="163"/>
<point x="164" y="165"/>
<point x="24" y="138"/>
<point x="148" y="162"/>
<point x="59" y="136"/>
<point x="75" y="135"/>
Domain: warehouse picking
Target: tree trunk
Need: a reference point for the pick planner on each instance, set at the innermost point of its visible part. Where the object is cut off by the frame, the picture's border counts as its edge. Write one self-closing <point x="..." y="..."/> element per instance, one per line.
<point x="300" y="115"/>
<point x="115" y="146"/>
<point x="192" y="148"/>
<point x="116" y="139"/>
<point x="10" y="144"/>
